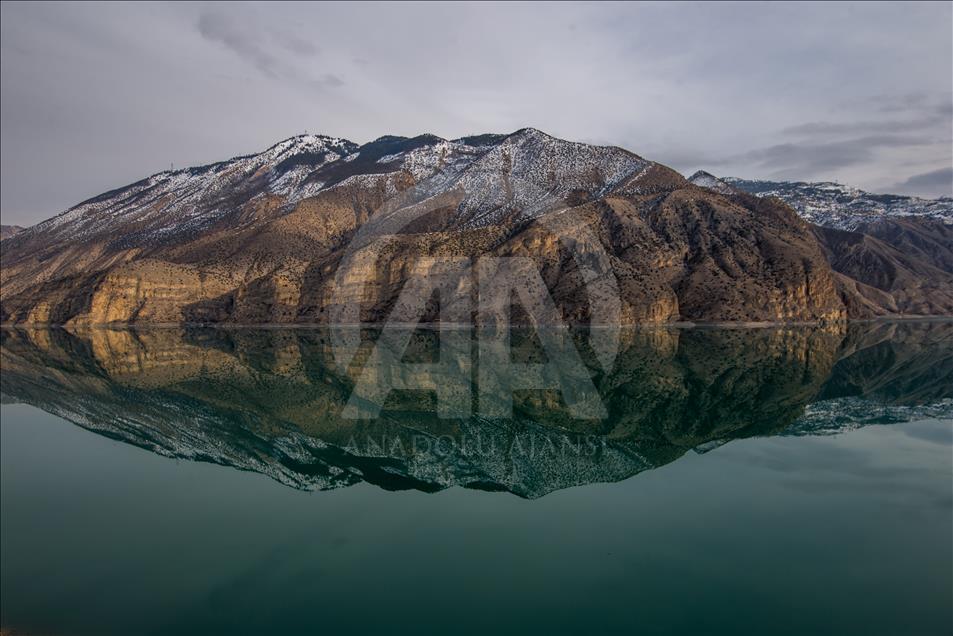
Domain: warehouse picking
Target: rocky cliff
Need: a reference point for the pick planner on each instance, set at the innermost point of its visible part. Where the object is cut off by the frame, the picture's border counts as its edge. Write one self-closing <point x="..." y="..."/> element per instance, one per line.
<point x="313" y="224"/>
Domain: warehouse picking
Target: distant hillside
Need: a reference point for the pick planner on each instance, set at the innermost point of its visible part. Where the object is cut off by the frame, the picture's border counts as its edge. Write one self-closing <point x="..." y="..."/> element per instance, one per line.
<point x="843" y="207"/>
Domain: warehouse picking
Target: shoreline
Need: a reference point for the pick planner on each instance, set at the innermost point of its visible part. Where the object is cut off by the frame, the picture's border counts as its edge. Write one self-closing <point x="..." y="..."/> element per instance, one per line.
<point x="681" y="324"/>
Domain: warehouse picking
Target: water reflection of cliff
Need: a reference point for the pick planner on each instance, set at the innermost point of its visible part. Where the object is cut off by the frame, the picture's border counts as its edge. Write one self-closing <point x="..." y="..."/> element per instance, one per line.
<point x="272" y="400"/>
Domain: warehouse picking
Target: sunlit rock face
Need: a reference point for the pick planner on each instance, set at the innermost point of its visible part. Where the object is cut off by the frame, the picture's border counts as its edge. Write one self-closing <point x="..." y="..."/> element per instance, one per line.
<point x="261" y="239"/>
<point x="420" y="409"/>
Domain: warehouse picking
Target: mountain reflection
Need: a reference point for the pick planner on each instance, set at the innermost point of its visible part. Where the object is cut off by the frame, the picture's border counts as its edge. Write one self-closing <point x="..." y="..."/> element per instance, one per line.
<point x="439" y="412"/>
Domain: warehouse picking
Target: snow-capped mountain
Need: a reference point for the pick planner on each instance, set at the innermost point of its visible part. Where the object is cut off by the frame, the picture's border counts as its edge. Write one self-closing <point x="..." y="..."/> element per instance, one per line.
<point x="833" y="204"/>
<point x="707" y="180"/>
<point x="539" y="169"/>
<point x="258" y="238"/>
<point x="183" y="201"/>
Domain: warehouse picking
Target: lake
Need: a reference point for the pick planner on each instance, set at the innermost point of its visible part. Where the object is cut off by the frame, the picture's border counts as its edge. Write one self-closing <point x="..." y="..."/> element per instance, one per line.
<point x="656" y="480"/>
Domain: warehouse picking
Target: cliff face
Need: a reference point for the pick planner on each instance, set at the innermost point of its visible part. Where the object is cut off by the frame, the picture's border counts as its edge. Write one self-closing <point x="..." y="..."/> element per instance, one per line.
<point x="265" y="239"/>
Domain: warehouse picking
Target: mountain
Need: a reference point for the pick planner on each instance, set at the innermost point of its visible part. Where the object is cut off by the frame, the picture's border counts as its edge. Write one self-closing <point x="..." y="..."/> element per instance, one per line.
<point x="271" y="400"/>
<point x="315" y="226"/>
<point x="6" y="231"/>
<point x="889" y="253"/>
<point x="707" y="180"/>
<point x="892" y="269"/>
<point x="926" y="239"/>
<point x="843" y="207"/>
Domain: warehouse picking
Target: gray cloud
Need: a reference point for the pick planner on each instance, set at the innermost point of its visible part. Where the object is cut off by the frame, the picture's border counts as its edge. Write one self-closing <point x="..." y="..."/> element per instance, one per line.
<point x="826" y="128"/>
<point x="218" y="27"/>
<point x="812" y="160"/>
<point x="294" y="44"/>
<point x="328" y="80"/>
<point x="922" y="113"/>
<point x="830" y="95"/>
<point x="264" y="49"/>
<point x="887" y="103"/>
<point x="821" y="149"/>
<point x="934" y="183"/>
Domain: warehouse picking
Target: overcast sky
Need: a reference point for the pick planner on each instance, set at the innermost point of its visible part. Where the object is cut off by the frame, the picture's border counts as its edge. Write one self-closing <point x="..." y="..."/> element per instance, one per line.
<point x="97" y="96"/>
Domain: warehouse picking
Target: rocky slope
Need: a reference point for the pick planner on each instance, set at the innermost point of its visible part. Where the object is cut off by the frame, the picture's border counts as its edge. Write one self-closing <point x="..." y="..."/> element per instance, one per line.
<point x="6" y="231"/>
<point x="880" y="276"/>
<point x="890" y="255"/>
<point x="317" y="229"/>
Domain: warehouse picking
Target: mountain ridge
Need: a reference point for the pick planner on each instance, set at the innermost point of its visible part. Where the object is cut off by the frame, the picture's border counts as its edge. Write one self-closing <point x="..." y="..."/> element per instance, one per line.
<point x="258" y="238"/>
<point x="834" y="204"/>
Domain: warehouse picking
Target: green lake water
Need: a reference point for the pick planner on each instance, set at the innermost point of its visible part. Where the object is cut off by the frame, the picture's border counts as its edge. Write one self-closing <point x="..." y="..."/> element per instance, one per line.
<point x="695" y="481"/>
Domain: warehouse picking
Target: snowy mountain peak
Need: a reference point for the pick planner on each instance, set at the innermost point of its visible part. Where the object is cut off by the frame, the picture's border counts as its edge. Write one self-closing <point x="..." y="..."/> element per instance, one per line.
<point x="832" y="204"/>
<point x="247" y="233"/>
<point x="523" y="173"/>
<point x="311" y="143"/>
<point x="707" y="180"/>
<point x="501" y="173"/>
<point x="844" y="207"/>
<point x="530" y="133"/>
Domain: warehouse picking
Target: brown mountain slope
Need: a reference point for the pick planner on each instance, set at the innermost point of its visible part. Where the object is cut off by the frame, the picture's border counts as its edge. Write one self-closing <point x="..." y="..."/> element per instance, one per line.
<point x="261" y="239"/>
<point x="901" y="274"/>
<point x="930" y="241"/>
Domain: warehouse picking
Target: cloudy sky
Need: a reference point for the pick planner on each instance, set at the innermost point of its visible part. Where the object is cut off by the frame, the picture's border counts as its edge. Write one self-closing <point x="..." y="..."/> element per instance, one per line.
<point x="96" y="96"/>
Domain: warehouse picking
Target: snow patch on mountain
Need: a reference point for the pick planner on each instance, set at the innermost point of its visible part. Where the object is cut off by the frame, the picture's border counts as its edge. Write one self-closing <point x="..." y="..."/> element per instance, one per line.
<point x="844" y="207"/>
<point x="530" y="173"/>
<point x="707" y="180"/>
<point x="176" y="201"/>
<point x="500" y="178"/>
<point x="831" y="417"/>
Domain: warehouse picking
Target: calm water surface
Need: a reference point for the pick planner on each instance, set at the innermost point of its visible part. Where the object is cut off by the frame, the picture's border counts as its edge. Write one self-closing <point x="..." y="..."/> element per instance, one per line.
<point x="769" y="481"/>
